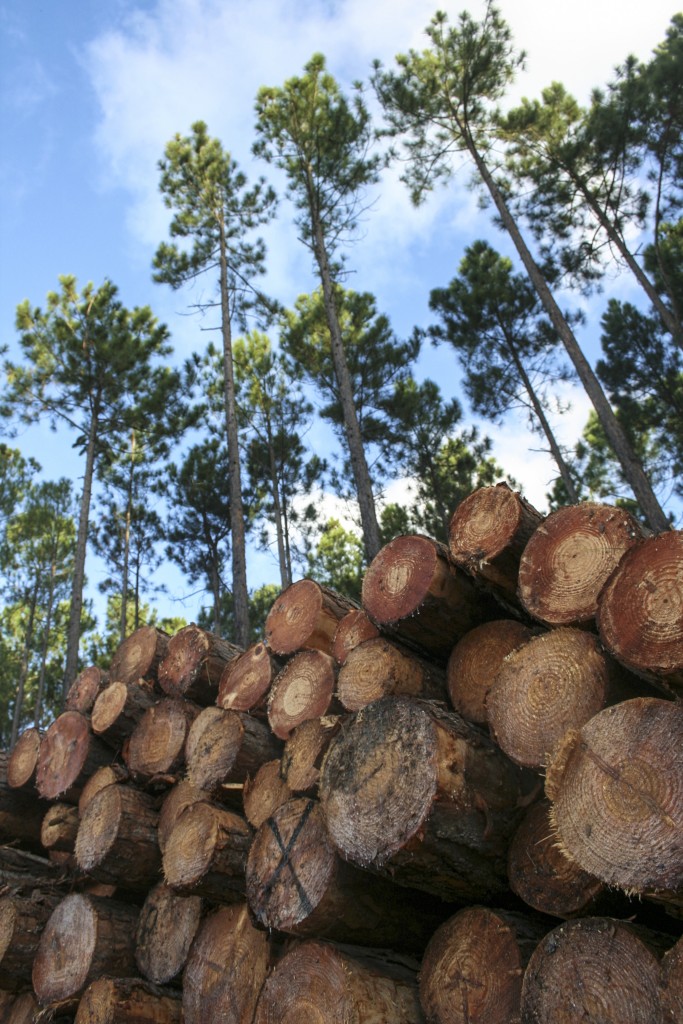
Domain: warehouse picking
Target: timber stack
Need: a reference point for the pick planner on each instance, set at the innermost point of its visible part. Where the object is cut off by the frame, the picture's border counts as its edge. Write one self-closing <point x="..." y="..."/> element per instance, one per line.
<point x="461" y="801"/>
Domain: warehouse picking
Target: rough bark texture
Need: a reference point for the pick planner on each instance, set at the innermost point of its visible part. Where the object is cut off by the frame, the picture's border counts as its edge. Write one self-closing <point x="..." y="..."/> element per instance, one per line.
<point x="206" y="853"/>
<point x="21" y="812"/>
<point x="84" y="690"/>
<point x="265" y="792"/>
<point x="60" y="827"/>
<point x="226" y="746"/>
<point x="23" y="1009"/>
<point x="672" y="983"/>
<point x="119" y="708"/>
<point x="157" y="744"/>
<point x="414" y="587"/>
<point x="377" y="668"/>
<point x="105" y="776"/>
<point x="305" y="615"/>
<point x="69" y="754"/>
<point x="304" y="752"/>
<point x="22" y="919"/>
<point x="423" y="796"/>
<point x="117" y="838"/>
<point x="353" y="629"/>
<point x="85" y="938"/>
<point x="304" y="689"/>
<point x="179" y="797"/>
<point x="139" y="656"/>
<point x="474" y="662"/>
<point x="617" y="791"/>
<point x="569" y="558"/>
<point x="194" y="663"/>
<point x="593" y="969"/>
<point x="226" y="969"/>
<point x="316" y="981"/>
<point x="550" y="684"/>
<point x="487" y="534"/>
<point x="23" y="760"/>
<point x="127" y="1001"/>
<point x="167" y="925"/>
<point x="245" y="680"/>
<point x="640" y="610"/>
<point x="473" y="966"/>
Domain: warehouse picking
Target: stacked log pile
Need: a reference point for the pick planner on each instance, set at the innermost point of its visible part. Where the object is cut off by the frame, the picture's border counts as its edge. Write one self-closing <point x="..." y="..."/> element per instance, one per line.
<point x="459" y="802"/>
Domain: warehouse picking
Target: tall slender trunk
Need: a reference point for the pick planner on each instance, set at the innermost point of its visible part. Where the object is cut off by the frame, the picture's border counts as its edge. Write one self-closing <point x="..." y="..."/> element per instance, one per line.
<point x="359" y="466"/>
<point x="539" y="411"/>
<point x="46" y="642"/>
<point x="126" y="541"/>
<point x="23" y="671"/>
<point x="240" y="593"/>
<point x="74" y="630"/>
<point x="630" y="464"/>
<point x="285" y="577"/>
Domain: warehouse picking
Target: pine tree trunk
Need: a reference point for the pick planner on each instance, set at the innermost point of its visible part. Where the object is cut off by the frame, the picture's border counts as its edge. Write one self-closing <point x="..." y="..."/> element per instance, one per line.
<point x="139" y="656"/>
<point x="420" y="795"/>
<point x="569" y="558"/>
<point x="639" y="610"/>
<point x="47" y="626"/>
<point x="305" y="615"/>
<point x="167" y="925"/>
<point x="304" y="689"/>
<point x="117" y="838"/>
<point x="592" y="969"/>
<point x="23" y="668"/>
<point x="377" y="668"/>
<point x="265" y="793"/>
<point x="245" y="680"/>
<point x="352" y="629"/>
<point x="127" y="1001"/>
<point x="474" y="662"/>
<point x="226" y="969"/>
<point x="193" y="664"/>
<point x="472" y="968"/>
<point x="84" y="690"/>
<point x="226" y="746"/>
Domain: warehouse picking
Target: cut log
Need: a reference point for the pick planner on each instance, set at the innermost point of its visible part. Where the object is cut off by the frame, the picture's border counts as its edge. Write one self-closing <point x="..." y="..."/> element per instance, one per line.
<point x="550" y="684"/>
<point x="617" y="791"/>
<point x="117" y="838"/>
<point x="303" y="689"/>
<point x="226" y="746"/>
<point x="424" y="797"/>
<point x="640" y="610"/>
<point x="305" y="615"/>
<point x="60" y="827"/>
<point x="23" y="760"/>
<point x="69" y="754"/>
<point x="85" y="938"/>
<point x="167" y="925"/>
<point x="475" y="660"/>
<point x="23" y="1010"/>
<point x="473" y="966"/>
<point x="246" y="680"/>
<point x="157" y="744"/>
<point x="543" y="877"/>
<point x="378" y="668"/>
<point x="139" y="656"/>
<point x="21" y="811"/>
<point x="206" y="853"/>
<point x="119" y="708"/>
<point x="568" y="559"/>
<point x="84" y="690"/>
<point x="352" y="630"/>
<point x="297" y="883"/>
<point x="106" y="776"/>
<point x="672" y="983"/>
<point x="127" y="1001"/>
<point x="413" y="587"/>
<point x="304" y="752"/>
<point x="22" y="872"/>
<point x="194" y="663"/>
<point x="488" y="533"/>
<point x="265" y="792"/>
<point x="226" y="969"/>
<point x="592" y="969"/>
<point x="22" y="919"/>
<point x="179" y="797"/>
<point x="315" y="981"/>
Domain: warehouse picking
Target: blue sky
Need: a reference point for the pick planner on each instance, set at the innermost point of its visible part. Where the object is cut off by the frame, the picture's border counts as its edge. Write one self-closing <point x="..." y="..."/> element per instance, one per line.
<point x="90" y="93"/>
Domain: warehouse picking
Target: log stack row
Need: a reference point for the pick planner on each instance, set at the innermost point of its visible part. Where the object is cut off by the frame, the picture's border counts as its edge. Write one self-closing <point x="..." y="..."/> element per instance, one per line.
<point x="461" y="801"/>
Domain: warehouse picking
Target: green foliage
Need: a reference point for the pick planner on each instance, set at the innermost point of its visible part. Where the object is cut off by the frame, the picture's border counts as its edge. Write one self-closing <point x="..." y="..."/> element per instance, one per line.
<point x="337" y="560"/>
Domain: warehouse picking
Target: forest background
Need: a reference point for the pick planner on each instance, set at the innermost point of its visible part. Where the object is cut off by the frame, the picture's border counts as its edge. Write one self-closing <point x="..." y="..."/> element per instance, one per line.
<point x="90" y="98"/>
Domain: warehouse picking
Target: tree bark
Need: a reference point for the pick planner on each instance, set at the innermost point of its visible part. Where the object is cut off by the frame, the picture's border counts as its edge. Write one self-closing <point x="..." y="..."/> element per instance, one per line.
<point x="488" y="533"/>
<point x="23" y="668"/>
<point x="193" y="664"/>
<point x="21" y="812"/>
<point x="672" y="983"/>
<point x="422" y="796"/>
<point x="472" y="968"/>
<point x="297" y="883"/>
<point x="592" y="969"/>
<point x="167" y="925"/>
<point x="105" y="776"/>
<point x="139" y="656"/>
<point x="22" y="919"/>
<point x="226" y="746"/>
<point x="339" y="985"/>
<point x="85" y="938"/>
<point x="474" y="662"/>
<point x="157" y="744"/>
<point x="378" y="668"/>
<point x="569" y="558"/>
<point x="303" y="689"/>
<point x="59" y="828"/>
<point x="352" y="629"/>
<point x="305" y="615"/>
<point x="117" y="838"/>
<point x="127" y="1001"/>
<point x="415" y="587"/>
<point x="24" y="1009"/>
<point x="639" y="610"/>
<point x="206" y="853"/>
<point x="305" y="750"/>
<point x="245" y="680"/>
<point x="119" y="709"/>
<point x="23" y="761"/>
<point x="69" y="754"/>
<point x="265" y="793"/>
<point x="84" y="689"/>
<point x="182" y="795"/>
<point x="552" y="683"/>
<point x="616" y="787"/>
<point x="226" y="969"/>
